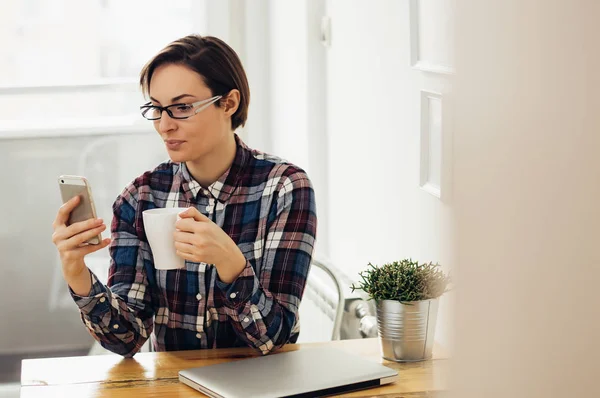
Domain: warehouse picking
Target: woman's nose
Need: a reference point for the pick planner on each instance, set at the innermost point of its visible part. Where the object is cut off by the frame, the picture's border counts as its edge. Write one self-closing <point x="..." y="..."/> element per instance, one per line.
<point x="166" y="122"/>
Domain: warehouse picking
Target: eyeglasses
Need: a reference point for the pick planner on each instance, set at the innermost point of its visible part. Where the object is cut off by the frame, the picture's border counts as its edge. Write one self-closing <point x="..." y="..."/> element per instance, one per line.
<point x="177" y="111"/>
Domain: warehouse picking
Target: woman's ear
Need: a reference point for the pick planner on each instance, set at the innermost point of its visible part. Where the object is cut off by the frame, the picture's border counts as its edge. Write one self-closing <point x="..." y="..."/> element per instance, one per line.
<point x="231" y="102"/>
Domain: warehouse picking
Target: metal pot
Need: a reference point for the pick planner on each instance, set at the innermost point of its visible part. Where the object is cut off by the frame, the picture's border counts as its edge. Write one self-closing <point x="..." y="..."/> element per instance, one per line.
<point x="406" y="330"/>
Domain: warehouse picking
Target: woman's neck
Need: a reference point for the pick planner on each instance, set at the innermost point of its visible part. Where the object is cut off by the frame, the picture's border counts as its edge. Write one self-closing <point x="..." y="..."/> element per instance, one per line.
<point x="208" y="169"/>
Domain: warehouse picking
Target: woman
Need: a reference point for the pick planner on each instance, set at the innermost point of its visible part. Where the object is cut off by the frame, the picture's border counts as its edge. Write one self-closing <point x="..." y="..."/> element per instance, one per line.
<point x="247" y="235"/>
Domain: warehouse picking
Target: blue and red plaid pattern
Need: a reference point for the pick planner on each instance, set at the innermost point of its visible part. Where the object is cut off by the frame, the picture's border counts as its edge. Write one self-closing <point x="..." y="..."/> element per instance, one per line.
<point x="266" y="205"/>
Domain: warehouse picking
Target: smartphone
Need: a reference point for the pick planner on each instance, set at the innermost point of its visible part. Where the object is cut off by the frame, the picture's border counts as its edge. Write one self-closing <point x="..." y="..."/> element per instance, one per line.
<point x="71" y="186"/>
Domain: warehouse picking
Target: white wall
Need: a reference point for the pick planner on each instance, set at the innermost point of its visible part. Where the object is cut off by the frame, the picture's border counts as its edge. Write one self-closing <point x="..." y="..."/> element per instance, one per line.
<point x="289" y="80"/>
<point x="295" y="86"/>
<point x="527" y="183"/>
<point x="377" y="212"/>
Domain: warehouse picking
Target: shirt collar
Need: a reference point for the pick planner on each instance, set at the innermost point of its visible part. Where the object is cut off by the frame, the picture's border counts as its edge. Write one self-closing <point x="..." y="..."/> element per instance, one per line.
<point x="223" y="188"/>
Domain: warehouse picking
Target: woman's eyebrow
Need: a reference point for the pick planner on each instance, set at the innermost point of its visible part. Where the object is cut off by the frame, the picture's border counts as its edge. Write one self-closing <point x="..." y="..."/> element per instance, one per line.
<point x="174" y="99"/>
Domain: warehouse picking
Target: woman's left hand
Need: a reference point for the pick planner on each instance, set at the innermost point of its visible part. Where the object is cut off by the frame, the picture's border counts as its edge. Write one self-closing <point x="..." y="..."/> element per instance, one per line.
<point x="198" y="239"/>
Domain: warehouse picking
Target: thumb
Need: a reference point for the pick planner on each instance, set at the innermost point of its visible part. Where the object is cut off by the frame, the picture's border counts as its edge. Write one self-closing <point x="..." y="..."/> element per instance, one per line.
<point x="192" y="212"/>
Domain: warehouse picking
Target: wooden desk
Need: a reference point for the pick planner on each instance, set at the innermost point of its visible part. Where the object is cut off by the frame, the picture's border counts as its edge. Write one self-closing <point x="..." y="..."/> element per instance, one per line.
<point x="156" y="374"/>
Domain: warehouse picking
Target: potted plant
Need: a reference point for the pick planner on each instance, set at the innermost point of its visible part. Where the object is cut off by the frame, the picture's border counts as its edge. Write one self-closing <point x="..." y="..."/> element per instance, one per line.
<point x="407" y="296"/>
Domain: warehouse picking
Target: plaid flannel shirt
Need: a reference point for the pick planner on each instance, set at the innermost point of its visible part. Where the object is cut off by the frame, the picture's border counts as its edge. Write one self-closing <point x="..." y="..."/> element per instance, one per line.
<point x="266" y="205"/>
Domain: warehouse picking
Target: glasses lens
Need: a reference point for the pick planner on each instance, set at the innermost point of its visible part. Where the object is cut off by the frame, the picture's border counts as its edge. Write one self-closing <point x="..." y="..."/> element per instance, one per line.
<point x="151" y="112"/>
<point x="181" y="111"/>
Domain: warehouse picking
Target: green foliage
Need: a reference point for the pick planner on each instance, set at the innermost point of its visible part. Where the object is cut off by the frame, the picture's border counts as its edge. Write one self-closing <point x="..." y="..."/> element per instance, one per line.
<point x="405" y="280"/>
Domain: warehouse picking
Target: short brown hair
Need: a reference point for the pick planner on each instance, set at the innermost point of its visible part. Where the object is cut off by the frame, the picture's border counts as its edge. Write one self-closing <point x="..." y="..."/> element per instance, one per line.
<point x="215" y="61"/>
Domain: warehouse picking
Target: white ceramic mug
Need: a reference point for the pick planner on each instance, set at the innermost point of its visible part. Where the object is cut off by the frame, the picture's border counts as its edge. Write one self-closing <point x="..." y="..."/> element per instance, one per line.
<point x="159" y="225"/>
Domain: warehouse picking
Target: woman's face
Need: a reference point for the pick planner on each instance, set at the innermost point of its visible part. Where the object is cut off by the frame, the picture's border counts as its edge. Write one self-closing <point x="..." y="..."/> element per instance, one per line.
<point x="193" y="138"/>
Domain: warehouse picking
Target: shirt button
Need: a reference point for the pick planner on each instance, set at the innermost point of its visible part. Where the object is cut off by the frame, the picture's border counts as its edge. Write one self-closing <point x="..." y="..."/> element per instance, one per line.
<point x="102" y="299"/>
<point x="198" y="335"/>
<point x="115" y="326"/>
<point x="246" y="320"/>
<point x="199" y="296"/>
<point x="232" y="295"/>
<point x="208" y="208"/>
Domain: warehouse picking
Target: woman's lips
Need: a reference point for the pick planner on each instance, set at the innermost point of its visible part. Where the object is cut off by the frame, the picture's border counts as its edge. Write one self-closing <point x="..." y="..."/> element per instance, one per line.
<point x="174" y="144"/>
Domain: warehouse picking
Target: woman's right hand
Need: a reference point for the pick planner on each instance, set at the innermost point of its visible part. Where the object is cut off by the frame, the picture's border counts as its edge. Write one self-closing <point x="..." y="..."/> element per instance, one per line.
<point x="69" y="240"/>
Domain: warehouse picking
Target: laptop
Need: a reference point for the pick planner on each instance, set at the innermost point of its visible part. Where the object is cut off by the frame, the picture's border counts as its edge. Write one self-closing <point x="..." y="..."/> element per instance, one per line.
<point x="308" y="372"/>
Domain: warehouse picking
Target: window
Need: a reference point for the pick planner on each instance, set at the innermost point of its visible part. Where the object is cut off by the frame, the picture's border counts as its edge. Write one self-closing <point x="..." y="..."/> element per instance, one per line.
<point x="77" y="62"/>
<point x="60" y="42"/>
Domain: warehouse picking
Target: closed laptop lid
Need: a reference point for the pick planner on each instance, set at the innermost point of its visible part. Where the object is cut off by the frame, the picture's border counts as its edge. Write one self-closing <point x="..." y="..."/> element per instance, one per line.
<point x="309" y="372"/>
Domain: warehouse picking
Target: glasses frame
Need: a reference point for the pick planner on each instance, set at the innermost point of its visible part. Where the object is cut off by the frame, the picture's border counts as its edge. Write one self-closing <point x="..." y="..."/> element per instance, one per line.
<point x="203" y="104"/>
